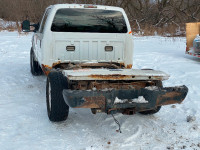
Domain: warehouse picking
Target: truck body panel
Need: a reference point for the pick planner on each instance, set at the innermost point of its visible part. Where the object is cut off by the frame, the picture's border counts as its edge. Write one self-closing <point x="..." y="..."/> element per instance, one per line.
<point x="53" y="44"/>
<point x="115" y="74"/>
<point x="89" y="47"/>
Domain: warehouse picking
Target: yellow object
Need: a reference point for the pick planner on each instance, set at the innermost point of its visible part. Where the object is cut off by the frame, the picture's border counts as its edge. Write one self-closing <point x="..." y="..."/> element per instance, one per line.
<point x="192" y="29"/>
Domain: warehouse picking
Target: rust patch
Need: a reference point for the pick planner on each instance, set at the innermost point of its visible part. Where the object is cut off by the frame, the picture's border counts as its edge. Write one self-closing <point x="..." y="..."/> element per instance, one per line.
<point x="56" y="63"/>
<point x="73" y="66"/>
<point x="94" y="102"/>
<point x="98" y="65"/>
<point x="122" y="65"/>
<point x="112" y="109"/>
<point x="169" y="98"/>
<point x="129" y="66"/>
<point x="129" y="111"/>
<point x="110" y="77"/>
<point x="122" y="85"/>
<point x="46" y="69"/>
<point x="121" y="77"/>
<point x="82" y="85"/>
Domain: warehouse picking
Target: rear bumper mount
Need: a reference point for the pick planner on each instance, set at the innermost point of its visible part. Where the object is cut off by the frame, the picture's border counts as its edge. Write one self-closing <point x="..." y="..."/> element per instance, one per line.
<point x="118" y="100"/>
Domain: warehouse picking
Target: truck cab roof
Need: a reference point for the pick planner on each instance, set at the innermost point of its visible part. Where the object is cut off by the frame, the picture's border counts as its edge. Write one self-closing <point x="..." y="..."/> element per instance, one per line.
<point x="86" y="6"/>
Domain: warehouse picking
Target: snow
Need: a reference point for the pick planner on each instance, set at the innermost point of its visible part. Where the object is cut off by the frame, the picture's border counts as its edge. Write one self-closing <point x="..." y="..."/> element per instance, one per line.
<point x="119" y="101"/>
<point x="23" y="117"/>
<point x="151" y="88"/>
<point x="4" y="24"/>
<point x="140" y="100"/>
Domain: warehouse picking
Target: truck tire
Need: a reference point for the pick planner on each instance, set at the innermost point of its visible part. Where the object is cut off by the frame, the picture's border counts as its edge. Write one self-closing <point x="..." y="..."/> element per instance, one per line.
<point x="35" y="67"/>
<point x="157" y="109"/>
<point x="57" y="109"/>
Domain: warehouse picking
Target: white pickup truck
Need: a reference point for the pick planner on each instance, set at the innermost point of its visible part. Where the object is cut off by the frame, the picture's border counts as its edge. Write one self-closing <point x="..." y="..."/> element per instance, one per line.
<point x="86" y="52"/>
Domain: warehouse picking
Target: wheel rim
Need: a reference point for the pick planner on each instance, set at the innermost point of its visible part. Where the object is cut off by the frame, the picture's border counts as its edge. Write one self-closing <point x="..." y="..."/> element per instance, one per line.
<point x="49" y="96"/>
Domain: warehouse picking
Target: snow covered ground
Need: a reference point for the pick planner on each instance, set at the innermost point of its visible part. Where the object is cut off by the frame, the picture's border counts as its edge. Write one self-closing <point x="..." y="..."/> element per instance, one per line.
<point x="7" y="24"/>
<point x="23" y="118"/>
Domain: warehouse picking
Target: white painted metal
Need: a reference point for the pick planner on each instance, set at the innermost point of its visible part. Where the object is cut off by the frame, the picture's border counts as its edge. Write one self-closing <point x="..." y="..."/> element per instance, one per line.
<point x="50" y="47"/>
<point x="115" y="74"/>
<point x="89" y="47"/>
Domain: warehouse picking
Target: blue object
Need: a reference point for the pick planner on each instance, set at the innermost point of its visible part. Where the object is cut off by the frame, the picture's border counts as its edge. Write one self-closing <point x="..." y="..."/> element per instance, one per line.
<point x="196" y="44"/>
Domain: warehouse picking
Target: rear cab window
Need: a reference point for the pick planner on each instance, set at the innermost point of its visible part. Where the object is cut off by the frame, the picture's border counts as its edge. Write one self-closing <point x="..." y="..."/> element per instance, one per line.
<point x="89" y="20"/>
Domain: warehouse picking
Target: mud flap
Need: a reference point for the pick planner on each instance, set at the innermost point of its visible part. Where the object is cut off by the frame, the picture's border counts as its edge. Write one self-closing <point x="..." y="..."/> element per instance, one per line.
<point x="137" y="99"/>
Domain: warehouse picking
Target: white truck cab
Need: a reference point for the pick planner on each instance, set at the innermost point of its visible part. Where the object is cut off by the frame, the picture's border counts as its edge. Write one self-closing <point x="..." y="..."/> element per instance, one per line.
<point x="75" y="33"/>
<point x="86" y="52"/>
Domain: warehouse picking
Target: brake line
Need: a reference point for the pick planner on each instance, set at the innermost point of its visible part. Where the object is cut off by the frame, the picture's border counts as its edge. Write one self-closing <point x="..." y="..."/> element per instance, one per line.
<point x="117" y="122"/>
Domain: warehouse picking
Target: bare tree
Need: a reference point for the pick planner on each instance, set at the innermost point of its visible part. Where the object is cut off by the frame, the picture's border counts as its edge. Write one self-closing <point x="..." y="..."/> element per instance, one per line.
<point x="155" y="15"/>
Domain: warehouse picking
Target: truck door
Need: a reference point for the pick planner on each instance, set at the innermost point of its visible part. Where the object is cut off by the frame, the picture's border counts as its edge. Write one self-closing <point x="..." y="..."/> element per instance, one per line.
<point x="39" y="35"/>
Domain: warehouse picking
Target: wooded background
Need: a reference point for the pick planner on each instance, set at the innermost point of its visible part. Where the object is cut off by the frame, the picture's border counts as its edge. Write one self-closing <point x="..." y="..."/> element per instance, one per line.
<point x="146" y="16"/>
